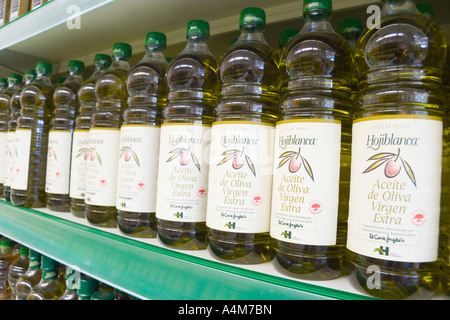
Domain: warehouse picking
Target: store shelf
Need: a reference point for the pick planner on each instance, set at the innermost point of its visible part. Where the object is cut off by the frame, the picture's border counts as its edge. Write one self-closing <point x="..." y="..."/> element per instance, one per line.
<point x="148" y="270"/>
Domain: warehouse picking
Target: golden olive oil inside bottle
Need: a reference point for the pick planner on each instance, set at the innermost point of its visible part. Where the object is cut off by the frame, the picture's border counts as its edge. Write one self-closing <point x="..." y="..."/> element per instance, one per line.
<point x="139" y="141"/>
<point x="50" y="287"/>
<point x="240" y="178"/>
<point x="395" y="191"/>
<point x="31" y="277"/>
<point x="80" y="141"/>
<point x="65" y="99"/>
<point x="31" y="140"/>
<point x="193" y="83"/>
<point x="104" y="140"/>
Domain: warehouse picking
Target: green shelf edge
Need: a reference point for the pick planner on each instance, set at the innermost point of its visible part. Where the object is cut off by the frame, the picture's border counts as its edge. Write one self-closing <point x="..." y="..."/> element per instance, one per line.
<point x="149" y="271"/>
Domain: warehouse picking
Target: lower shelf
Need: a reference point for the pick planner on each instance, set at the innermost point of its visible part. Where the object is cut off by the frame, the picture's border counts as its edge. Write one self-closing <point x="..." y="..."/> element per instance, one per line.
<point x="148" y="270"/>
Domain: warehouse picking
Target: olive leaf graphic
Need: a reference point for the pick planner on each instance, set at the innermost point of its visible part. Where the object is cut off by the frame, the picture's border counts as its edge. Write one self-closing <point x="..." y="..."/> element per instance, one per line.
<point x="239" y="159"/>
<point x="52" y="153"/>
<point x="83" y="152"/>
<point x="185" y="157"/>
<point x="127" y="153"/>
<point x="296" y="160"/>
<point x="393" y="164"/>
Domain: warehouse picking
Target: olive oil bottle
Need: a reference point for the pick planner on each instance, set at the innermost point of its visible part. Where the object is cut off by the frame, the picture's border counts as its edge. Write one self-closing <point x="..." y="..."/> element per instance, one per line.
<point x="80" y="140"/>
<point x="17" y="269"/>
<point x="312" y="149"/>
<point x="241" y="165"/>
<point x="139" y="141"/>
<point x="350" y="29"/>
<point x="104" y="140"/>
<point x="193" y="82"/>
<point x="14" y="84"/>
<point x="67" y="105"/>
<point x="31" y="277"/>
<point x="31" y="139"/>
<point x="396" y="167"/>
<point x="50" y="287"/>
<point x="10" y="159"/>
<point x="7" y="257"/>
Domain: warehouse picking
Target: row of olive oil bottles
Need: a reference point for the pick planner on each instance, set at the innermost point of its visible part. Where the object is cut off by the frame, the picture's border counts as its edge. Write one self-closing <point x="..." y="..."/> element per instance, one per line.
<point x="330" y="159"/>
<point x="25" y="274"/>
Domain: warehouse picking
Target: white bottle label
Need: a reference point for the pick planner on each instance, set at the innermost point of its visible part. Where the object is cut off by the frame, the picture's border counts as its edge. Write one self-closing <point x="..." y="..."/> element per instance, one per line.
<point x="183" y="172"/>
<point x="101" y="178"/>
<point x="240" y="178"/>
<point x="305" y="194"/>
<point x="138" y="168"/>
<point x="58" y="162"/>
<point x="3" y="140"/>
<point x="80" y="158"/>
<point x="10" y="158"/>
<point x="395" y="188"/>
<point x="23" y="147"/>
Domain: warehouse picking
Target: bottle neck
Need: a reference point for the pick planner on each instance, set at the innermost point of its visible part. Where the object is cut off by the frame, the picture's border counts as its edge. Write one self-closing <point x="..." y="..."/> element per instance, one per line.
<point x="395" y="7"/>
<point x="252" y="33"/>
<point x="48" y="275"/>
<point x="44" y="77"/>
<point x="120" y="62"/>
<point x="197" y="43"/>
<point x="75" y="74"/>
<point x="317" y="21"/>
<point x="99" y="69"/>
<point x="154" y="53"/>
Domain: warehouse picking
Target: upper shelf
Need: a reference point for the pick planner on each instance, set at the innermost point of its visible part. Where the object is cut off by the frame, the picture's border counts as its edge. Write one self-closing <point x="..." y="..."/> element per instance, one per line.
<point x="62" y="30"/>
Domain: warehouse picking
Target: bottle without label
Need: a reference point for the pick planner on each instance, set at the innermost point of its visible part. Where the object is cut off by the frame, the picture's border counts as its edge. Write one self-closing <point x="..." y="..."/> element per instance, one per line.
<point x="50" y="287"/>
<point x="139" y="141"/>
<point x="394" y="207"/>
<point x="104" y="140"/>
<point x="7" y="257"/>
<point x="11" y="155"/>
<point x="31" y="139"/>
<point x="192" y="78"/>
<point x="17" y="269"/>
<point x="67" y="105"/>
<point x="31" y="277"/>
<point x="14" y="84"/>
<point x="241" y="164"/>
<point x="72" y="283"/>
<point x="80" y="140"/>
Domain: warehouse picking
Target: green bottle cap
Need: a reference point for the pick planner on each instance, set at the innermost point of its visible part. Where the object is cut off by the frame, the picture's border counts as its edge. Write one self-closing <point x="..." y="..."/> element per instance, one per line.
<point x="286" y="35"/>
<point x="103" y="59"/>
<point x="30" y="72"/>
<point x="426" y="9"/>
<point x="253" y="15"/>
<point x="44" y="67"/>
<point x="48" y="264"/>
<point x="75" y="64"/>
<point x="103" y="295"/>
<point x="3" y="82"/>
<point x="6" y="244"/>
<point x="87" y="286"/>
<point x="122" y="49"/>
<point x="311" y="5"/>
<point x="24" y="251"/>
<point x="350" y="25"/>
<point x="14" y="77"/>
<point x="198" y="27"/>
<point x="156" y="38"/>
<point x="60" y="80"/>
<point x="168" y="59"/>
<point x="35" y="259"/>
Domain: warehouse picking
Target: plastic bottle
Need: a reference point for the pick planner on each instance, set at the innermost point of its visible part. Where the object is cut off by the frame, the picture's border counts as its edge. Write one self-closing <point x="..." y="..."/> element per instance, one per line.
<point x="312" y="149"/>
<point x="350" y="29"/>
<point x="139" y="141"/>
<point x="242" y="142"/>
<point x="87" y="287"/>
<point x="80" y="140"/>
<point x="36" y="99"/>
<point x="193" y="82"/>
<point x="17" y="269"/>
<point x="14" y="84"/>
<point x="3" y="84"/>
<point x="7" y="257"/>
<point x="31" y="277"/>
<point x="395" y="190"/>
<point x="103" y="295"/>
<point x="104" y="140"/>
<point x="50" y="287"/>
<point x="67" y="105"/>
<point x="285" y="36"/>
<point x="10" y="159"/>
<point x="72" y="278"/>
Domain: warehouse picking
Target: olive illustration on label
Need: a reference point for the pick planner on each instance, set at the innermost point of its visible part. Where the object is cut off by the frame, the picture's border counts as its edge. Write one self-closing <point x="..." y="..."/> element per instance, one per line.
<point x="185" y="156"/>
<point x="52" y="153"/>
<point x="393" y="164"/>
<point x="239" y="159"/>
<point x="89" y="154"/>
<point x="295" y="160"/>
<point x="127" y="153"/>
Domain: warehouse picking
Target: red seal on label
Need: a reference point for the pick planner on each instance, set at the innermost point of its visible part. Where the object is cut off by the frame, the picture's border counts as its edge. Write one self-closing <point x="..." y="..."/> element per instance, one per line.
<point x="140" y="185"/>
<point x="102" y="183"/>
<point x="201" y="192"/>
<point x="256" y="201"/>
<point x="418" y="218"/>
<point x="315" y="207"/>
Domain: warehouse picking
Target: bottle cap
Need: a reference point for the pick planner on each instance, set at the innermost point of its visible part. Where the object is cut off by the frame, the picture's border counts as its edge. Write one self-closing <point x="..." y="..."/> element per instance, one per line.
<point x="286" y="35"/>
<point x="6" y="243"/>
<point x="323" y="5"/>
<point x="198" y="27"/>
<point x="350" y="25"/>
<point x="426" y="9"/>
<point x="14" y="77"/>
<point x="24" y="251"/>
<point x="44" y="67"/>
<point x="30" y="72"/>
<point x="48" y="263"/>
<point x="156" y="38"/>
<point x="122" y="49"/>
<point x="60" y="80"/>
<point x="253" y="15"/>
<point x="87" y="286"/>
<point x="103" y="295"/>
<point x="75" y="64"/>
<point x="3" y="82"/>
<point x="103" y="59"/>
